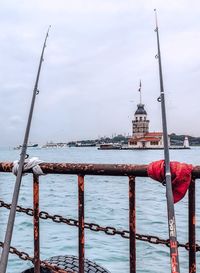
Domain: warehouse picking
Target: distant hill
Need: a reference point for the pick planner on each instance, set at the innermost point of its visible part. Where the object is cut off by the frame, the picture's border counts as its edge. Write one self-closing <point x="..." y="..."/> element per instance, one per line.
<point x="116" y="139"/>
<point x="178" y="140"/>
<point x="174" y="140"/>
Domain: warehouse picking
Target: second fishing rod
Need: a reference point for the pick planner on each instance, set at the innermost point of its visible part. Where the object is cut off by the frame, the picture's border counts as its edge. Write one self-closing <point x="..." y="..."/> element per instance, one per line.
<point x="23" y="155"/>
<point x="175" y="268"/>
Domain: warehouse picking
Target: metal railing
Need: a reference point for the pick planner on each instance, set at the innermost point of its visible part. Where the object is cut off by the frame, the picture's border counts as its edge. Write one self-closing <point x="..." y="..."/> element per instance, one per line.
<point x="81" y="170"/>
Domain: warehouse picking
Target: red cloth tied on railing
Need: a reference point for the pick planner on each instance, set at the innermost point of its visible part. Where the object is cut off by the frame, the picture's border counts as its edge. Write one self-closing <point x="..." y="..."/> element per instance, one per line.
<point x="181" y="176"/>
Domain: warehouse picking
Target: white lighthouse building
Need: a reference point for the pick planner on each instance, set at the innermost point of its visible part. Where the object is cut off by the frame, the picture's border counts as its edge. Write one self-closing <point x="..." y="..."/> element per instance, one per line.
<point x="141" y="137"/>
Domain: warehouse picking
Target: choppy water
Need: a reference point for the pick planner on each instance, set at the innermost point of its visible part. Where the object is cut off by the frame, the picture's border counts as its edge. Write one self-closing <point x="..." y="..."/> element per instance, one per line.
<point x="106" y="204"/>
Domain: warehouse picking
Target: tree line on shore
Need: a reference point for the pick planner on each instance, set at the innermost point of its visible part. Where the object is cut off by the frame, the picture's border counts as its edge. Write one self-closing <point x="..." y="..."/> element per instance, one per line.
<point x="174" y="140"/>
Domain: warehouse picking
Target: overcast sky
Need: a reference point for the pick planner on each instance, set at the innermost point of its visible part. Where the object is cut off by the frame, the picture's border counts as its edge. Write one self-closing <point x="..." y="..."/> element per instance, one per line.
<point x="97" y="52"/>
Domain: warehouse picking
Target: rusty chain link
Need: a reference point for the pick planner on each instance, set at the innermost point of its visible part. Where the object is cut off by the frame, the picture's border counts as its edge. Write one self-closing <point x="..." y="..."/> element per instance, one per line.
<point x="21" y="254"/>
<point x="25" y="257"/>
<point x="55" y="268"/>
<point x="95" y="227"/>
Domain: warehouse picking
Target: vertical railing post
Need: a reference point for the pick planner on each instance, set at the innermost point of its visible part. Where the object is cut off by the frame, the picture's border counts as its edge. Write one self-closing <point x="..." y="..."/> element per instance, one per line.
<point x="192" y="225"/>
<point x="132" y="224"/>
<point x="81" y="222"/>
<point x="36" y="224"/>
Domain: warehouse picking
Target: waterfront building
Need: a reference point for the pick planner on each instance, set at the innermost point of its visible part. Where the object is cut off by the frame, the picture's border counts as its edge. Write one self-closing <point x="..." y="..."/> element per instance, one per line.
<point x="141" y="137"/>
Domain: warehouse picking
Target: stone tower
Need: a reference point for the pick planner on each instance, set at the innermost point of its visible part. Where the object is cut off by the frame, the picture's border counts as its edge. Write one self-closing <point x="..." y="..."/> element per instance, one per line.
<point x="140" y="122"/>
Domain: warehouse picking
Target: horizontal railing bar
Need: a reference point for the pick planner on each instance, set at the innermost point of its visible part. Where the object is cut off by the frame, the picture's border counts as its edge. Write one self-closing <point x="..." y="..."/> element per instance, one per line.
<point x="93" y="169"/>
<point x="85" y="169"/>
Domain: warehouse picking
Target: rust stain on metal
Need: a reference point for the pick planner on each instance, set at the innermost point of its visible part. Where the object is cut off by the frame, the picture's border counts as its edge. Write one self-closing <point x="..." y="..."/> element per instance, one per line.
<point x="132" y="224"/>
<point x="93" y="169"/>
<point x="192" y="227"/>
<point x="83" y="169"/>
<point x="193" y="268"/>
<point x="6" y="167"/>
<point x="81" y="239"/>
<point x="36" y="224"/>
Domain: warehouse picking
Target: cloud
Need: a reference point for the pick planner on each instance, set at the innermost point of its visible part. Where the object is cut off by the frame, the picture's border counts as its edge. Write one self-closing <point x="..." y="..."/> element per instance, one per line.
<point x="96" y="53"/>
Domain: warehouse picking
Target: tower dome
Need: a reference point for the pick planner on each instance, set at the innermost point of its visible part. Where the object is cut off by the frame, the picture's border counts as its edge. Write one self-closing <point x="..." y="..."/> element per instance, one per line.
<point x="140" y="110"/>
<point x="140" y="123"/>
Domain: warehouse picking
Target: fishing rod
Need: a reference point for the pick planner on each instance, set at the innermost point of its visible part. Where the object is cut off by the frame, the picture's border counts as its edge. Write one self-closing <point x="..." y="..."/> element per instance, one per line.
<point x="168" y="180"/>
<point x="23" y="156"/>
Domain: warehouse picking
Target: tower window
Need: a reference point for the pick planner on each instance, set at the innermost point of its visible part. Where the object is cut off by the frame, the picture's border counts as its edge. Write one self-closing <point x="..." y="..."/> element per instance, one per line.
<point x="154" y="142"/>
<point x="133" y="143"/>
<point x="144" y="118"/>
<point x="140" y="118"/>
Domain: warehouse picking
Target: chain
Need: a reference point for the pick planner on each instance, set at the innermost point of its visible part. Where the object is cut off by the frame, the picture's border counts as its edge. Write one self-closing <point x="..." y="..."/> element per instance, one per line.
<point x="54" y="268"/>
<point x="25" y="257"/>
<point x="21" y="254"/>
<point x="27" y="211"/>
<point x="95" y="227"/>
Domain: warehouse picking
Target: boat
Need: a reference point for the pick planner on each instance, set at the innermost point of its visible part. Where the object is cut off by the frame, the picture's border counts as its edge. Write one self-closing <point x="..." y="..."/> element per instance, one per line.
<point x="31" y="145"/>
<point x="50" y="145"/>
<point x="28" y="146"/>
<point x="55" y="145"/>
<point x="110" y="146"/>
<point x="85" y="145"/>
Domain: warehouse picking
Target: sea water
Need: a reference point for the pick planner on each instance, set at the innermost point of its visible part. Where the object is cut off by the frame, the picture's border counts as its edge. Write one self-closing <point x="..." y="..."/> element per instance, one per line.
<point x="106" y="203"/>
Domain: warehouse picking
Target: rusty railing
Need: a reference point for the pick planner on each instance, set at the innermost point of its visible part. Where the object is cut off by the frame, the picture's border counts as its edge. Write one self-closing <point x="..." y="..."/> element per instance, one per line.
<point x="130" y="171"/>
